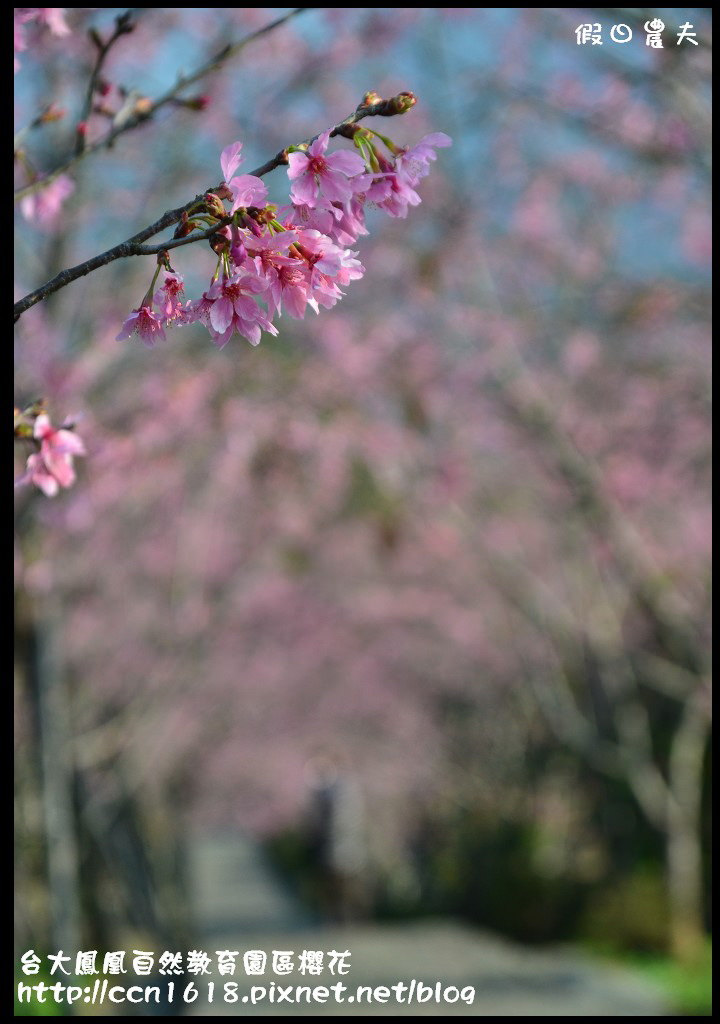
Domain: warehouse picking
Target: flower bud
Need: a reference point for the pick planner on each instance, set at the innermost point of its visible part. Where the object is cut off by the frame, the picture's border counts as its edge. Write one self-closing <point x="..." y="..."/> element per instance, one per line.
<point x="143" y="106"/>
<point x="213" y="205"/>
<point x="265" y="216"/>
<point x="403" y="102"/>
<point x="53" y="113"/>
<point x="218" y="243"/>
<point x="124" y="23"/>
<point x="197" y="102"/>
<point x="184" y="227"/>
<point x="248" y="222"/>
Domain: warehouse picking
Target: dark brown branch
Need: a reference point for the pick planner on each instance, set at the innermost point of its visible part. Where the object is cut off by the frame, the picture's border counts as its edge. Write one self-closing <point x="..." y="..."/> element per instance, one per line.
<point x="133" y="246"/>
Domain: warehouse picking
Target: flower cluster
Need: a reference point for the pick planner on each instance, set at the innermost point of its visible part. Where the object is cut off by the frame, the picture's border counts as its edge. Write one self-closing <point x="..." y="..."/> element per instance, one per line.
<point x="272" y="261"/>
<point x="50" y="467"/>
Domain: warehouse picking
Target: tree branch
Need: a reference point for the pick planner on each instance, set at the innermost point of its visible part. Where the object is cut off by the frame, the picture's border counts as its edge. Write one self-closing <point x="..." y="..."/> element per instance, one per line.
<point x="644" y="579"/>
<point x="230" y="50"/>
<point x="133" y="246"/>
<point x="123" y="25"/>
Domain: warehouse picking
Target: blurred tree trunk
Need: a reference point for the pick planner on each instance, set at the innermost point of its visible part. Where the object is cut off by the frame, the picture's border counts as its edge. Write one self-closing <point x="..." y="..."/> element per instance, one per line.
<point x="622" y="742"/>
<point x="57" y="779"/>
<point x="683" y="834"/>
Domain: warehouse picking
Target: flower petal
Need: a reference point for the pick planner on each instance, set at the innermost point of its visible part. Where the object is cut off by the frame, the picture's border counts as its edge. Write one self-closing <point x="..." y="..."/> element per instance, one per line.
<point x="221" y="314"/>
<point x="297" y="165"/>
<point x="247" y="190"/>
<point x="230" y="159"/>
<point x="348" y="163"/>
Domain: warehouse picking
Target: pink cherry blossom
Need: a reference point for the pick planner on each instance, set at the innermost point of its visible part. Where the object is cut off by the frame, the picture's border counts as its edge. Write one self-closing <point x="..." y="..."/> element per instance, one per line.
<point x="349" y="224"/>
<point x="315" y="170"/>
<point x="309" y="263"/>
<point x="330" y="266"/>
<point x="230" y="159"/>
<point x="196" y="311"/>
<point x="270" y="249"/>
<point x="329" y="258"/>
<point x="54" y="18"/>
<point x="168" y="295"/>
<point x="52" y="467"/>
<point x="43" y="207"/>
<point x="322" y="216"/>
<point x="19" y="39"/>
<point x="291" y="290"/>
<point x="144" y="322"/>
<point x="393" y="193"/>
<point x="412" y="164"/>
<point x="393" y="189"/>
<point x="247" y="189"/>
<point x="57" y="446"/>
<point x="37" y="473"/>
<point x="229" y="305"/>
<point x="287" y="279"/>
<point x="326" y="287"/>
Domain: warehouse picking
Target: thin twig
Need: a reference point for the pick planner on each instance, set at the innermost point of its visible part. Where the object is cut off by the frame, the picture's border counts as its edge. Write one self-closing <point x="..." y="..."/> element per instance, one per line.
<point x="123" y="25"/>
<point x="146" y="114"/>
<point x="133" y="246"/>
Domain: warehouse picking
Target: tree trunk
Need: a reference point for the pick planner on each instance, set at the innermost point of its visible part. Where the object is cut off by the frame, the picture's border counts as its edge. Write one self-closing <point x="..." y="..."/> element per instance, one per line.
<point x="683" y="844"/>
<point x="57" y="785"/>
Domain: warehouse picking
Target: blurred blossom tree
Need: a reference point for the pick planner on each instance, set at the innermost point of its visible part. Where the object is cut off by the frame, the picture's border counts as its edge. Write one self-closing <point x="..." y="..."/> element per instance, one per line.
<point x="464" y="513"/>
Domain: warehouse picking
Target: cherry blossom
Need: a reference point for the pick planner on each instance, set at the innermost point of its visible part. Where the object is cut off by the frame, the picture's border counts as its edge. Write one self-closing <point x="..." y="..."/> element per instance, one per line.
<point x="168" y="296"/>
<point x="52" y="467"/>
<point x="315" y="170"/>
<point x="54" y="19"/>
<point x="292" y="258"/>
<point x="412" y="163"/>
<point x="247" y="189"/>
<point x="43" y="206"/>
<point x="144" y="322"/>
<point x="228" y="306"/>
<point x="51" y="17"/>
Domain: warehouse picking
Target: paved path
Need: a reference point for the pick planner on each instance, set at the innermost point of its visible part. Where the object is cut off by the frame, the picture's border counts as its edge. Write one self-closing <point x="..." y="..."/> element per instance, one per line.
<point x="240" y="906"/>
